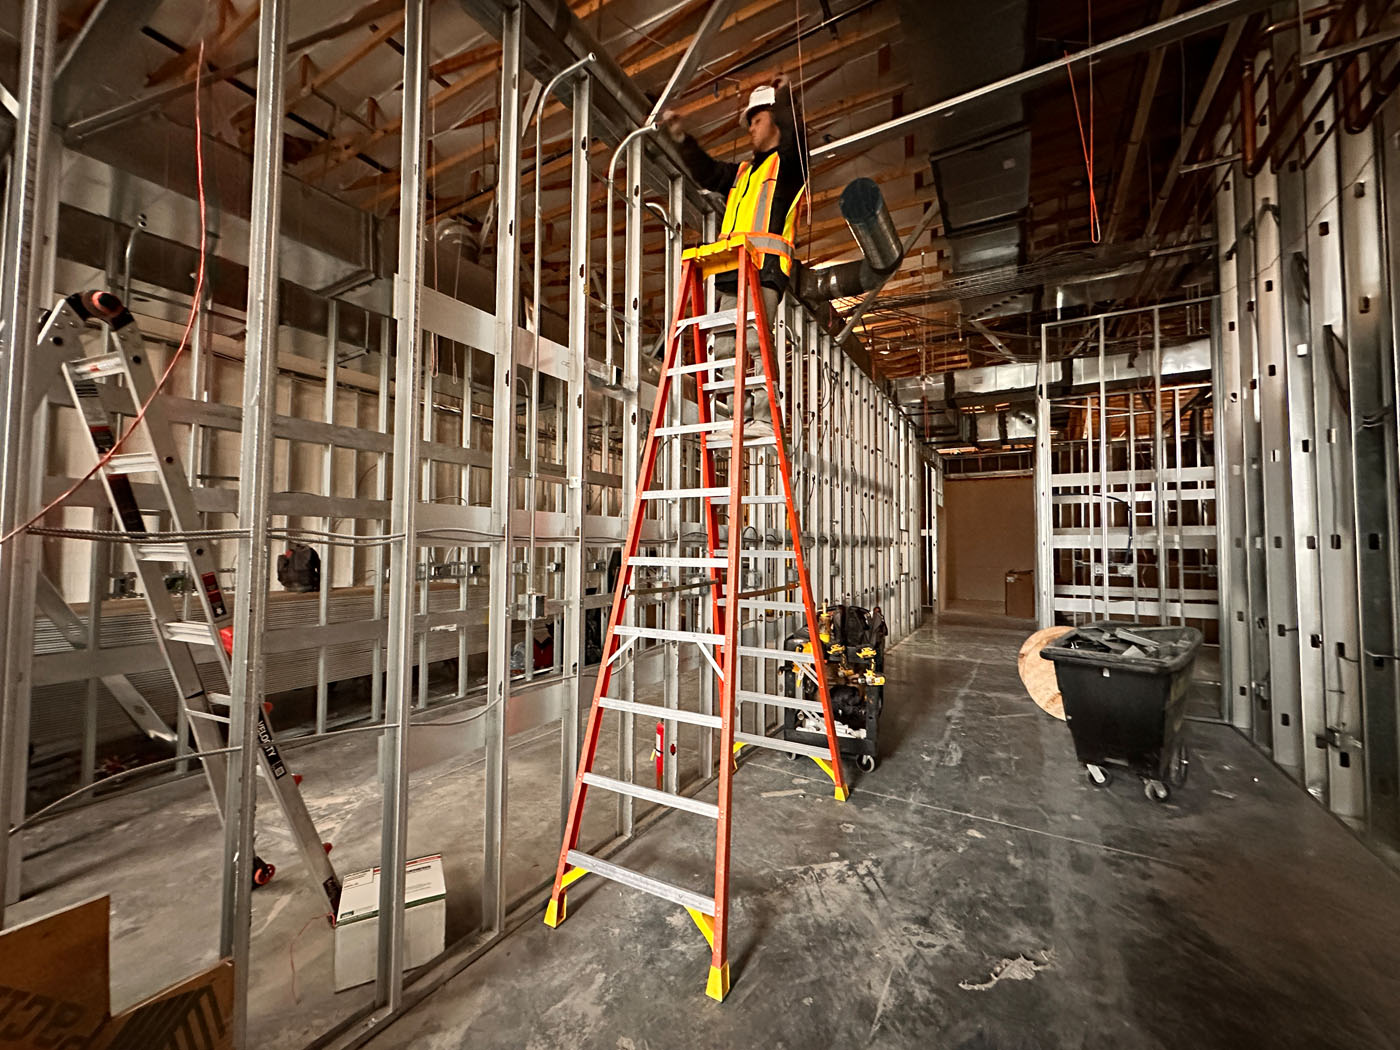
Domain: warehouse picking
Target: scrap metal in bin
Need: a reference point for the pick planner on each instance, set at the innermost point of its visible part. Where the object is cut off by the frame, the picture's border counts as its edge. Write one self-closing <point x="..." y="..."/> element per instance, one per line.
<point x="1124" y="687"/>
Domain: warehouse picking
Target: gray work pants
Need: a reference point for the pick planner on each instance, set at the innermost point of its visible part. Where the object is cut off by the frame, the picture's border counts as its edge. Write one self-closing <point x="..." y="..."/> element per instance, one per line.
<point x="756" y="402"/>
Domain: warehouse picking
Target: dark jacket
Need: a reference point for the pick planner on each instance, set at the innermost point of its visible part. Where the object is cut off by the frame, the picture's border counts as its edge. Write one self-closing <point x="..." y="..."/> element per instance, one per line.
<point x="719" y="175"/>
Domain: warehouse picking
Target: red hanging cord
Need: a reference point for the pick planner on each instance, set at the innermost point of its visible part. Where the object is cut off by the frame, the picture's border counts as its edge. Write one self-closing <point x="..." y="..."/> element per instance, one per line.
<point x="184" y="337"/>
<point x="1087" y="145"/>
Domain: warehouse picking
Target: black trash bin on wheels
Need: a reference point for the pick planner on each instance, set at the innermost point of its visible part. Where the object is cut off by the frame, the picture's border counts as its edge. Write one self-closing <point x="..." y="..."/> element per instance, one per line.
<point x="1124" y="687"/>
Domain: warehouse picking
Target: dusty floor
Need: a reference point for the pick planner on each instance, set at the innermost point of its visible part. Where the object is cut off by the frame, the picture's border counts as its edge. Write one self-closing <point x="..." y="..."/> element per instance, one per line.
<point x="975" y="892"/>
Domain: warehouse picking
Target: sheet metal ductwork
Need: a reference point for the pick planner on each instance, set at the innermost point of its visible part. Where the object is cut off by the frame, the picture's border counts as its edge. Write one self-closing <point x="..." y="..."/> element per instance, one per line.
<point x="863" y="208"/>
<point x="981" y="152"/>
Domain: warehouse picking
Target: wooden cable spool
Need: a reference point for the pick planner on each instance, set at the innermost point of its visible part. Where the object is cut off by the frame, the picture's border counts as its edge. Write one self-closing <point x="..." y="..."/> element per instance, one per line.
<point x="1038" y="673"/>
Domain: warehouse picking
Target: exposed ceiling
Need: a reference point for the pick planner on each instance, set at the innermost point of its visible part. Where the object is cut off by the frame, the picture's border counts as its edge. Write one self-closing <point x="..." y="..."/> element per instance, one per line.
<point x="1014" y="240"/>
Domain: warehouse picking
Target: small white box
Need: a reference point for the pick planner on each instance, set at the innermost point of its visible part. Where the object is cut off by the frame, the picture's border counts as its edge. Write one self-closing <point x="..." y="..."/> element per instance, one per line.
<point x="357" y="921"/>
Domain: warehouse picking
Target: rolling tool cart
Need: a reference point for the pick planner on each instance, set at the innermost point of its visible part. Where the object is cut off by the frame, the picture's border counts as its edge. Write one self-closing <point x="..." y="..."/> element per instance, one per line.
<point x="1124" y="687"/>
<point x="853" y="639"/>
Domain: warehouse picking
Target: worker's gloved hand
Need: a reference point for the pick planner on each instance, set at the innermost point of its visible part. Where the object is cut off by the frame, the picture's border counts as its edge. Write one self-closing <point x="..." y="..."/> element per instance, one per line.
<point x="670" y="123"/>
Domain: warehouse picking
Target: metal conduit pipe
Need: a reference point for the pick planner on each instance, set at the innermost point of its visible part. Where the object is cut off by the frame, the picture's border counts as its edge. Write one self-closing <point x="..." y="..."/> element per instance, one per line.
<point x="533" y="423"/>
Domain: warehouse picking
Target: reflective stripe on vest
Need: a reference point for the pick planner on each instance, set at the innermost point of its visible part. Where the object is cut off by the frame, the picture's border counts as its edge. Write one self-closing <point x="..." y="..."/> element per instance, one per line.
<point x="749" y="206"/>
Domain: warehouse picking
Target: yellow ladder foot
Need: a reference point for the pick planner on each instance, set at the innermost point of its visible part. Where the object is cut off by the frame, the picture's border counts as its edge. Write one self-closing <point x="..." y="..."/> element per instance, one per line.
<point x="554" y="914"/>
<point x="842" y="792"/>
<point x="717" y="987"/>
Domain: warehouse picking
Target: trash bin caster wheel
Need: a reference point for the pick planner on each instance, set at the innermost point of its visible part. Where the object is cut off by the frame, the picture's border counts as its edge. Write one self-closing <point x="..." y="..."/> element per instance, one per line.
<point x="1098" y="776"/>
<point x="866" y="763"/>
<point x="262" y="872"/>
<point x="1156" y="790"/>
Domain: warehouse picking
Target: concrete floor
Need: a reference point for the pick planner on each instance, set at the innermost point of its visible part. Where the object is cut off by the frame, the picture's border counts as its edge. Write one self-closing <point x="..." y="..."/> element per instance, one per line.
<point x="975" y="892"/>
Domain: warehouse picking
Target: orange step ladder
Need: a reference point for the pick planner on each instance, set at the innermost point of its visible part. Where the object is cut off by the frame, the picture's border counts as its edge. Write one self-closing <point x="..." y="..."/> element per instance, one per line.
<point x="721" y="645"/>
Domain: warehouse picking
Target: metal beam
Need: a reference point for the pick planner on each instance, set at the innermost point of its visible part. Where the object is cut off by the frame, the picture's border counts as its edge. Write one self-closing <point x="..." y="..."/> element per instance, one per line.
<point x="404" y="552"/>
<point x="1177" y="167"/>
<point x="255" y="456"/>
<point x="690" y="61"/>
<point x="1156" y="35"/>
<point x="22" y="250"/>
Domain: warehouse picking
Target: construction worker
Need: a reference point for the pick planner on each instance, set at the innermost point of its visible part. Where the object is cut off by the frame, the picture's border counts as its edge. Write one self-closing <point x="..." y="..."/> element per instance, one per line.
<point x="764" y="193"/>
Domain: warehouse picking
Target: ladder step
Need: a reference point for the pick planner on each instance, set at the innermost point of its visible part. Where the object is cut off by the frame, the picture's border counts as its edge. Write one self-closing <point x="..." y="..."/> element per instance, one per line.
<point x="638" y="881"/>
<point x="750" y="552"/>
<point x="680" y="563"/>
<point x="161" y="552"/>
<point x="697" y="493"/>
<point x="792" y="747"/>
<point x="101" y="365"/>
<point x="718" y="319"/>
<point x="132" y="463"/>
<point x="662" y="714"/>
<point x="665" y="634"/>
<point x="661" y="798"/>
<point x="786" y="656"/>
<point x="725" y="425"/>
<point x="703" y="366"/>
<point x="759" y="603"/>
<point x="727" y="441"/>
<point x="218" y="699"/>
<point x="208" y="716"/>
<point x="778" y="700"/>
<point x="750" y="501"/>
<point x="728" y="384"/>
<point x="190" y="632"/>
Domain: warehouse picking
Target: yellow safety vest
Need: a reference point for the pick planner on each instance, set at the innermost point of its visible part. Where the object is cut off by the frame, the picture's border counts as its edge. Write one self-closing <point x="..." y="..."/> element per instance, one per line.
<point x="749" y="206"/>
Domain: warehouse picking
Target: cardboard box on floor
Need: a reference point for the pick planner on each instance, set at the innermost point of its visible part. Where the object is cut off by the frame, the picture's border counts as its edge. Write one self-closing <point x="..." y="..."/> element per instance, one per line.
<point x="54" y="992"/>
<point x="357" y="921"/>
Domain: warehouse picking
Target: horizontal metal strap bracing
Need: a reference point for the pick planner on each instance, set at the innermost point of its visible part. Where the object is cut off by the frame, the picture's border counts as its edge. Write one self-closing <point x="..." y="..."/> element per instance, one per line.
<point x="661" y="798"/>
<point x="1194" y="537"/>
<point x="661" y="714"/>
<point x="776" y="744"/>
<point x="666" y="635"/>
<point x="1122" y="477"/>
<point x="777" y="700"/>
<point x="638" y="881"/>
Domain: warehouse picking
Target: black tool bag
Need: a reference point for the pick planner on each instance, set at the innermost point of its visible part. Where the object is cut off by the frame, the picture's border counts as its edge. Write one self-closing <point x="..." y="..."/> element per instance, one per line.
<point x="299" y="569"/>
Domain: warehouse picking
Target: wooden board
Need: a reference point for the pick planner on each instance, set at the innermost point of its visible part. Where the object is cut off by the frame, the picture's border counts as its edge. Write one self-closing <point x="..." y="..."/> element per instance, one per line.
<point x="53" y="979"/>
<point x="54" y="975"/>
<point x="1038" y="673"/>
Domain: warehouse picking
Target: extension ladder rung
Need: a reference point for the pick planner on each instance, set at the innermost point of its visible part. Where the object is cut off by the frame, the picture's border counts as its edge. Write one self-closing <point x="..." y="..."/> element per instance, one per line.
<point x="635" y="879"/>
<point x="661" y="561"/>
<point x="132" y="463"/>
<point x="190" y="632"/>
<point x="661" y="714"/>
<point x="667" y="635"/>
<point x="727" y="384"/>
<point x="161" y="552"/>
<point x="792" y="747"/>
<point x="778" y="700"/>
<point x="646" y="794"/>
<point x="787" y="656"/>
<point x="717" y="319"/>
<point x="99" y="365"/>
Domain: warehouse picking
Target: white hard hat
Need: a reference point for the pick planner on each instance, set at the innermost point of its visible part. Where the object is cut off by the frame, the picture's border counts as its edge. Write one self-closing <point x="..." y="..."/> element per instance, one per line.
<point x="763" y="96"/>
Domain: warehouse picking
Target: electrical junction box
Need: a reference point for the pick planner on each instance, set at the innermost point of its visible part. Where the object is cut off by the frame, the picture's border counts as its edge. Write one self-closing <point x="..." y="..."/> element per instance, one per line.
<point x="357" y="921"/>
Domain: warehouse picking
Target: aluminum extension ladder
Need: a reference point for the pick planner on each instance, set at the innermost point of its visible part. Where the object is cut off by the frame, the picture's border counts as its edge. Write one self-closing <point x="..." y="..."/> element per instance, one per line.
<point x="106" y="386"/>
<point x="721" y="646"/>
